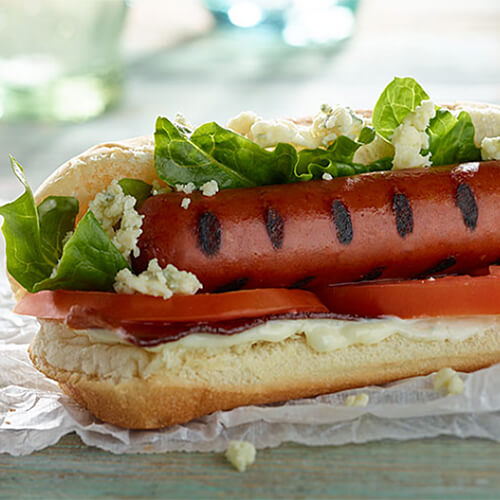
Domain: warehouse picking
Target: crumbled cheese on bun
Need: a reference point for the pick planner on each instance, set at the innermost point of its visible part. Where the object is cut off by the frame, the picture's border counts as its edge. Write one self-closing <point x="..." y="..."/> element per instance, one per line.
<point x="210" y="188"/>
<point x="327" y="125"/>
<point x="449" y="381"/>
<point x="410" y="137"/>
<point x="357" y="399"/>
<point x="242" y="123"/>
<point x="331" y="122"/>
<point x="185" y="203"/>
<point x="486" y="121"/>
<point x="112" y="207"/>
<point x="268" y="133"/>
<point x="490" y="148"/>
<point x="157" y="281"/>
<point x="327" y="177"/>
<point x="241" y="454"/>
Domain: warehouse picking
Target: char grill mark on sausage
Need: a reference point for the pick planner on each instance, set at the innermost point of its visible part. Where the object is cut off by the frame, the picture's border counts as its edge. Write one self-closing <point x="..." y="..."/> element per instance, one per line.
<point x="437" y="269"/>
<point x="342" y="221"/>
<point x="466" y="202"/>
<point x="234" y="285"/>
<point x="303" y="282"/>
<point x="275" y="226"/>
<point x="374" y="274"/>
<point x="209" y="233"/>
<point x="403" y="213"/>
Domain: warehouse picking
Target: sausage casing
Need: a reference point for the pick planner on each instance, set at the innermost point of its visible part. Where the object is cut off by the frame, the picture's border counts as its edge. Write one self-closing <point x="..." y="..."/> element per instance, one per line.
<point x="402" y="224"/>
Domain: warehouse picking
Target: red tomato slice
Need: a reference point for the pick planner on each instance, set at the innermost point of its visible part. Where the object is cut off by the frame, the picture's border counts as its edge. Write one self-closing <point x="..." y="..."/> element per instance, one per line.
<point x="448" y="296"/>
<point x="189" y="308"/>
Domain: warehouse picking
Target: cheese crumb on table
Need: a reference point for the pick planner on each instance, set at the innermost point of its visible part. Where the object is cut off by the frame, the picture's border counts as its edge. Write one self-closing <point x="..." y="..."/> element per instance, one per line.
<point x="410" y="137"/>
<point x="111" y="207"/>
<point x="157" y="281"/>
<point x="357" y="399"/>
<point x="241" y="454"/>
<point x="210" y="188"/>
<point x="449" y="381"/>
<point x="185" y="202"/>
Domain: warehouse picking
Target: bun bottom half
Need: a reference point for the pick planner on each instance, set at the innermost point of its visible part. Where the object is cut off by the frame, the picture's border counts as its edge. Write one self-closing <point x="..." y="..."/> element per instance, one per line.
<point x="140" y="388"/>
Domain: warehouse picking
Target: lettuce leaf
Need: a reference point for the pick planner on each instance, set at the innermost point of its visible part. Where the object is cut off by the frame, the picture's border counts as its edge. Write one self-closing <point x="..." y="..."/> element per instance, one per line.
<point x="35" y="244"/>
<point x="34" y="236"/>
<point x="178" y="160"/>
<point x="57" y="216"/>
<point x="213" y="152"/>
<point x="245" y="156"/>
<point x="89" y="260"/>
<point x="451" y="139"/>
<point x="140" y="190"/>
<point x="337" y="159"/>
<point x="400" y="97"/>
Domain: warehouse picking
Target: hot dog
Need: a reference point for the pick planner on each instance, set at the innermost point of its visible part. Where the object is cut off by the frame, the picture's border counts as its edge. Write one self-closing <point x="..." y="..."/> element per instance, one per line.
<point x="317" y="219"/>
<point x="399" y="224"/>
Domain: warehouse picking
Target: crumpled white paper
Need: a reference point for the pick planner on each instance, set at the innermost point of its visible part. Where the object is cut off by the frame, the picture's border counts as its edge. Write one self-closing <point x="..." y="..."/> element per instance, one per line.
<point x="35" y="414"/>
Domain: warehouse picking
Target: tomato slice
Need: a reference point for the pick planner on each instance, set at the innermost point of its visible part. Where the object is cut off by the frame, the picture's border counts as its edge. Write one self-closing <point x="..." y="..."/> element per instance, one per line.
<point x="448" y="296"/>
<point x="188" y="308"/>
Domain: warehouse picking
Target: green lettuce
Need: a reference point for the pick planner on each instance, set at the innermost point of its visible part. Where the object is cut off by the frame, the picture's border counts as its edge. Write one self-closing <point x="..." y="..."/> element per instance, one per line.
<point x="140" y="190"/>
<point x="400" y="97"/>
<point x="337" y="159"/>
<point x="213" y="152"/>
<point x="451" y="139"/>
<point x="89" y="260"/>
<point x="34" y="236"/>
<point x="245" y="157"/>
<point x="179" y="161"/>
<point x="43" y="254"/>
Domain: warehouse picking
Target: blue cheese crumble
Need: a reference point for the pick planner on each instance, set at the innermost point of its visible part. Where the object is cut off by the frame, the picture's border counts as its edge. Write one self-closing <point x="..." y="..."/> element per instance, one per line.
<point x="116" y="213"/>
<point x="448" y="381"/>
<point x="357" y="399"/>
<point x="490" y="148"/>
<point x="410" y="137"/>
<point x="210" y="188"/>
<point x="241" y="454"/>
<point x="157" y="281"/>
<point x="327" y="125"/>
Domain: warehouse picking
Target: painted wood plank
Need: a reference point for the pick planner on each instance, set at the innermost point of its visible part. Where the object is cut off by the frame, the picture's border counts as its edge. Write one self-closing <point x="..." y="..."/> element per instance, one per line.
<point x="432" y="469"/>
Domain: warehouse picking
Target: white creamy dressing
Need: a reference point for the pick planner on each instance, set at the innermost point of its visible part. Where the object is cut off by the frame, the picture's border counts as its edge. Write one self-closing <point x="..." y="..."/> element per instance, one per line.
<point x="325" y="335"/>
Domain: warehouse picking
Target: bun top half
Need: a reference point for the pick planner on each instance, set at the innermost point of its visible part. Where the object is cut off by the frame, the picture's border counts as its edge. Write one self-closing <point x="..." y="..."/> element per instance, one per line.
<point x="92" y="171"/>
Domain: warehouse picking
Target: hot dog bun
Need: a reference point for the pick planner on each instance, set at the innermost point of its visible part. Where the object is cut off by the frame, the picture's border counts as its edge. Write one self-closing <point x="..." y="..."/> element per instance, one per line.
<point x="137" y="388"/>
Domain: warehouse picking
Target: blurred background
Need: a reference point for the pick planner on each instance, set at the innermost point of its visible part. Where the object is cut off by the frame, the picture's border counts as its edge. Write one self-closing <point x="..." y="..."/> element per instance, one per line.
<point x="73" y="74"/>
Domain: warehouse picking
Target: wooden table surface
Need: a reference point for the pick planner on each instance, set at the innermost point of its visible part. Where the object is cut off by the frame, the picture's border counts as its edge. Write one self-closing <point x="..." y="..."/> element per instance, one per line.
<point x="430" y="469"/>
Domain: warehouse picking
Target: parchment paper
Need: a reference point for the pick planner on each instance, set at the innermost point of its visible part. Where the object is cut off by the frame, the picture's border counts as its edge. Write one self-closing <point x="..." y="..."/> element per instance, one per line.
<point x="35" y="414"/>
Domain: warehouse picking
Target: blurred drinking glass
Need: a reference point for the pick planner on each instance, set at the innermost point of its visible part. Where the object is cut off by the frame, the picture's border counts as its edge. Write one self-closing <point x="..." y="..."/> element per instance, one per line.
<point x="59" y="59"/>
<point x="301" y="23"/>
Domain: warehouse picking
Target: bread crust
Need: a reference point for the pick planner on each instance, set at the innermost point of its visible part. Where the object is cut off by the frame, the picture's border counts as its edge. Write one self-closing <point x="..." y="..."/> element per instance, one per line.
<point x="265" y="372"/>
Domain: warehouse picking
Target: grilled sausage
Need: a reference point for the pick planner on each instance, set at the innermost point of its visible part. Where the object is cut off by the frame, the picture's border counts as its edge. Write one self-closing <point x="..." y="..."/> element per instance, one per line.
<point x="400" y="224"/>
